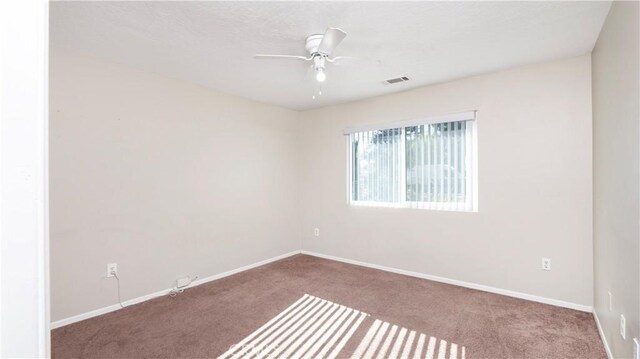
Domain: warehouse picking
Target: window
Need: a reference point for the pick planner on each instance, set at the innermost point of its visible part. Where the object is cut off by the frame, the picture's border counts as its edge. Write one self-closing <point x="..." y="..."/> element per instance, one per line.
<point x="420" y="164"/>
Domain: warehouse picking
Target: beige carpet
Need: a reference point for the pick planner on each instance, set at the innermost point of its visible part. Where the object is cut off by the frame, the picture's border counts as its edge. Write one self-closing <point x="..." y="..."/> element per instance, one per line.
<point x="307" y="307"/>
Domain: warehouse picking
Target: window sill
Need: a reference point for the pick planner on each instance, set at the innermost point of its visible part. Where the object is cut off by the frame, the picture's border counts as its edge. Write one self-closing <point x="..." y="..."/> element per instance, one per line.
<point x="433" y="206"/>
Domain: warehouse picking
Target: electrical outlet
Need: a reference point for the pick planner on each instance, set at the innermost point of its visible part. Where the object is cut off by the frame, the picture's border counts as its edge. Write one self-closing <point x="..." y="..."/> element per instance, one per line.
<point x="610" y="301"/>
<point x="112" y="269"/>
<point x="636" y="348"/>
<point x="546" y="264"/>
<point x="316" y="232"/>
<point x="623" y="327"/>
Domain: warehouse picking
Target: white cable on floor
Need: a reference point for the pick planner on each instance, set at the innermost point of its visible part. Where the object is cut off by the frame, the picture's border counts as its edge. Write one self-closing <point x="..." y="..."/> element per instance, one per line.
<point x="174" y="291"/>
<point x="177" y="290"/>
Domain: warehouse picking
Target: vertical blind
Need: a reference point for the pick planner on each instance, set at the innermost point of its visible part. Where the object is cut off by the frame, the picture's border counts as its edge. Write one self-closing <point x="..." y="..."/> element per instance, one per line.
<point x="428" y="165"/>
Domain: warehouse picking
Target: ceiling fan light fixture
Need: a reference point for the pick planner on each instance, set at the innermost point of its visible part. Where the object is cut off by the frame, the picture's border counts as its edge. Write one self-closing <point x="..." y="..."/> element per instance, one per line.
<point x="319" y="47"/>
<point x="320" y="74"/>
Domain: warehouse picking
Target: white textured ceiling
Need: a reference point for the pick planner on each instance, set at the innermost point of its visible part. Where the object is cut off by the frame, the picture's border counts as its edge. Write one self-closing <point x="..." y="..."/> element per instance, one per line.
<point x="212" y="43"/>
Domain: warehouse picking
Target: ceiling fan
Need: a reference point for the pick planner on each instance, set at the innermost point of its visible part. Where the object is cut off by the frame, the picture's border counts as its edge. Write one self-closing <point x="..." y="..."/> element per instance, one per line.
<point x="320" y="48"/>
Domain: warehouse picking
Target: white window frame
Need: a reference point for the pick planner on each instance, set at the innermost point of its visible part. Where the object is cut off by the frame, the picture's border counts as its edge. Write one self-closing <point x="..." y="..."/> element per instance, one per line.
<point x="471" y="204"/>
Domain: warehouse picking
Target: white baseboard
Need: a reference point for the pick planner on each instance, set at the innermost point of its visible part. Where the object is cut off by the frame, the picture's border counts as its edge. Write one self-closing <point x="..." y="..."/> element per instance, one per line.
<point x="112" y="308"/>
<point x="509" y="293"/>
<point x="242" y="269"/>
<point x="559" y="303"/>
<point x="604" y="339"/>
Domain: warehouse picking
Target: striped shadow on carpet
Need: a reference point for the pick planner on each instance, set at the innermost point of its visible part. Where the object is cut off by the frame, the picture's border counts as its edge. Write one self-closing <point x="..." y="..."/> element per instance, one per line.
<point x="316" y="328"/>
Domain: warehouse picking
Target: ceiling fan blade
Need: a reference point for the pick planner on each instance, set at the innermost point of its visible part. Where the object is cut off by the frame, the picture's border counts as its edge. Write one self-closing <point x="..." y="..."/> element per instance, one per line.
<point x="331" y="39"/>
<point x="292" y="57"/>
<point x="348" y="60"/>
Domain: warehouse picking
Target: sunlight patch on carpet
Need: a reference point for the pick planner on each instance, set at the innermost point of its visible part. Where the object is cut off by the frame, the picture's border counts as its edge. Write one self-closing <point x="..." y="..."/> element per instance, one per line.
<point x="316" y="328"/>
<point x="406" y="344"/>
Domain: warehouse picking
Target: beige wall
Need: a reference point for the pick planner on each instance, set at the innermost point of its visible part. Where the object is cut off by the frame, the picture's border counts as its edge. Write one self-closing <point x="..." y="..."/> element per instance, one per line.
<point x="170" y="179"/>
<point x="616" y="157"/>
<point x="165" y="178"/>
<point x="535" y="185"/>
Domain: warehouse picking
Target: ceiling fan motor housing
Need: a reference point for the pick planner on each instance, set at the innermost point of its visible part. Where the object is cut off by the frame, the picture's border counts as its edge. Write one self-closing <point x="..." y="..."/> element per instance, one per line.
<point x="313" y="42"/>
